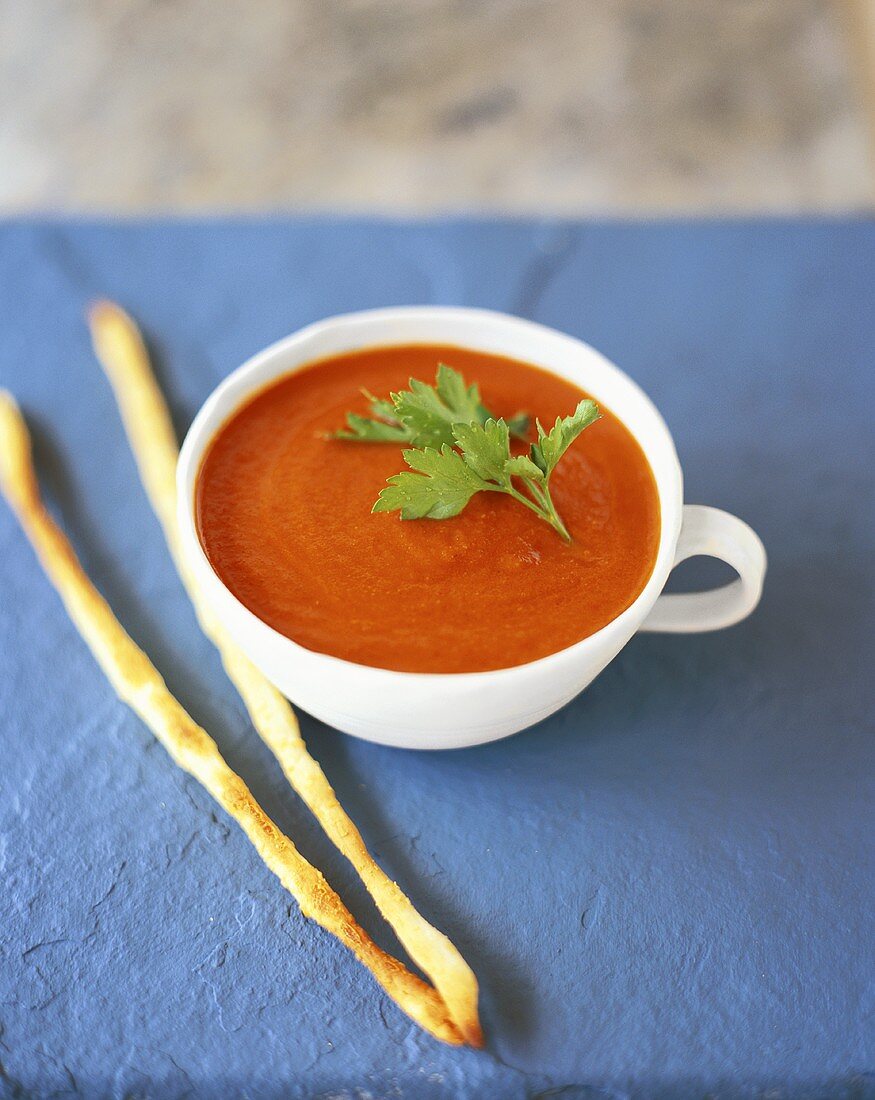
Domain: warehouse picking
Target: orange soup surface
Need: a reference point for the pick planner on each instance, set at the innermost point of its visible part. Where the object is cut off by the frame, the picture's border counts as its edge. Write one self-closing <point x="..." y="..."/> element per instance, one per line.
<point x="284" y="516"/>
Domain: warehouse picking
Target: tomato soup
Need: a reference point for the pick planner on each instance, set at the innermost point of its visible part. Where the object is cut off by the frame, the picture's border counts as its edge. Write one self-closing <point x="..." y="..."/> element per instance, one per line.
<point x="284" y="516"/>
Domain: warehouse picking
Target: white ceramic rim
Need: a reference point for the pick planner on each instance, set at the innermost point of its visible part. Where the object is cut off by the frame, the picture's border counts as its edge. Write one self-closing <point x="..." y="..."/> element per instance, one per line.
<point x="255" y="374"/>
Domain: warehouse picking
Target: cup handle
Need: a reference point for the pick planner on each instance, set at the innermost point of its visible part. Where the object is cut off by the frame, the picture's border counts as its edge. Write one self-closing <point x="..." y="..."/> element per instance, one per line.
<point x="717" y="534"/>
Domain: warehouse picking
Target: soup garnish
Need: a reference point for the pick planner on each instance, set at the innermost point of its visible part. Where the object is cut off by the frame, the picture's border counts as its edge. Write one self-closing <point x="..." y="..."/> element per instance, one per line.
<point x="460" y="449"/>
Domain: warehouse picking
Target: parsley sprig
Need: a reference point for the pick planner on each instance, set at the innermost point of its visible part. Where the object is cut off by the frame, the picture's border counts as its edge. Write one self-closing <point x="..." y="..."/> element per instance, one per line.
<point x="459" y="449"/>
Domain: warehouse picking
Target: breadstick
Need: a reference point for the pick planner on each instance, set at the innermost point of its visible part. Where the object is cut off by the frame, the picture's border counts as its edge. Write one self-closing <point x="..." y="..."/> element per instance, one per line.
<point x="123" y="355"/>
<point x="138" y="683"/>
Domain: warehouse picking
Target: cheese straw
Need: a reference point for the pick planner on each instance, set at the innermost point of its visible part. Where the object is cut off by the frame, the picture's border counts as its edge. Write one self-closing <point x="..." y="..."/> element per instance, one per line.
<point x="123" y="355"/>
<point x="139" y="684"/>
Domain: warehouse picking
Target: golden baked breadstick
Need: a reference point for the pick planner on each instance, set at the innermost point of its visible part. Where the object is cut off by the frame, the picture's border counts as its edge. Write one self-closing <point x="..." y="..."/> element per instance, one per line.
<point x="138" y="683"/>
<point x="123" y="355"/>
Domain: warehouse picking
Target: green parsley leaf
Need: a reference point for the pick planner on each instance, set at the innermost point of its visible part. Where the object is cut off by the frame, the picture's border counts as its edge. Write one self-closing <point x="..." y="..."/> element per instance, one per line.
<point x="384" y="409"/>
<point x="457" y="396"/>
<point x="424" y="412"/>
<point x="441" y="487"/>
<point x="372" y="431"/>
<point x="424" y="415"/>
<point x="385" y="427"/>
<point x="486" y="448"/>
<point x="552" y="445"/>
<point x="522" y="466"/>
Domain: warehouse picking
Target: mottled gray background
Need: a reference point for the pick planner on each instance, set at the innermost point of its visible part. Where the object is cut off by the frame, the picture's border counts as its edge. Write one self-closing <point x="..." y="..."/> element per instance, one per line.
<point x="578" y="106"/>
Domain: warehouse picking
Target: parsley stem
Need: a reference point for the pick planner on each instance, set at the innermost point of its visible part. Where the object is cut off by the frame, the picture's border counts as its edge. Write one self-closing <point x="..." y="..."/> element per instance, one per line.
<point x="544" y="507"/>
<point x="555" y="518"/>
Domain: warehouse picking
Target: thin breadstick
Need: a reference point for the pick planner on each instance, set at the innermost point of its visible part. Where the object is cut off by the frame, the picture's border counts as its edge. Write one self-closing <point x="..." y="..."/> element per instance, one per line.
<point x="125" y="359"/>
<point x="138" y="683"/>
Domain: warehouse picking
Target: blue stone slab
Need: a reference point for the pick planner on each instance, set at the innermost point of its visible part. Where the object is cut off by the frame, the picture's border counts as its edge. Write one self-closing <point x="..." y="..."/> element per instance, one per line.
<point x="666" y="889"/>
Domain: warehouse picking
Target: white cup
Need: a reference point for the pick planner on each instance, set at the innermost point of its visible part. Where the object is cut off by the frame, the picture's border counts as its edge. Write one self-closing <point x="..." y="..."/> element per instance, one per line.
<point x="454" y="710"/>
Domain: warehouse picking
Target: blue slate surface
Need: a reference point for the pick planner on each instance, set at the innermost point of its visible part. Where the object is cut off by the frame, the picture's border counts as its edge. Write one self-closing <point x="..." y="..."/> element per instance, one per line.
<point x="666" y="889"/>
